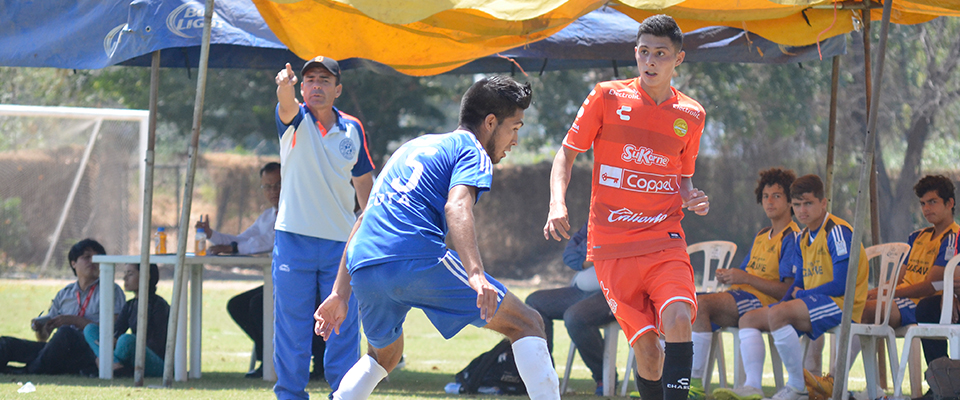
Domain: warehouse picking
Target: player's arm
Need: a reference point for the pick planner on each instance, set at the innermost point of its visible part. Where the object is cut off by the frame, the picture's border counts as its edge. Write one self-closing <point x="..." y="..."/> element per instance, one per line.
<point x="737" y="276"/>
<point x="557" y="223"/>
<point x="463" y="237"/>
<point x="286" y="94"/>
<point x="331" y="313"/>
<point x="933" y="280"/>
<point x="796" y="265"/>
<point x="841" y="261"/>
<point x="693" y="199"/>
<point x="924" y="288"/>
<point x="772" y="288"/>
<point x="362" y="185"/>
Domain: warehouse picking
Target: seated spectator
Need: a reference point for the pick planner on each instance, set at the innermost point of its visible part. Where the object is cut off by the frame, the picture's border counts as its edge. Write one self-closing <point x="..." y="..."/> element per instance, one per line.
<point x="157" y="313"/>
<point x="934" y="246"/>
<point x="581" y="306"/>
<point x="813" y="302"/>
<point x="247" y="308"/>
<point x="74" y="307"/>
<point x="922" y="272"/>
<point x="761" y="280"/>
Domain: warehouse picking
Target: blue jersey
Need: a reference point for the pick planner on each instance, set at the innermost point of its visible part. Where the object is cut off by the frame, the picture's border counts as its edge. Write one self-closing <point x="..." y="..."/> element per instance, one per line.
<point x="404" y="218"/>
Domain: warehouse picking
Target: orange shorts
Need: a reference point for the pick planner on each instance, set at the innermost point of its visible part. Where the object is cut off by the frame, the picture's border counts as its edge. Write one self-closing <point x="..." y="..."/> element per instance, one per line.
<point x="639" y="288"/>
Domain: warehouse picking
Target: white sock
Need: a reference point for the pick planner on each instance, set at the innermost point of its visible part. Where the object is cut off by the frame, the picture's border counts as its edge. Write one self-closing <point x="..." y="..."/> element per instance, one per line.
<point x="753" y="354"/>
<point x="701" y="349"/>
<point x="535" y="368"/>
<point x="358" y="383"/>
<point x="791" y="353"/>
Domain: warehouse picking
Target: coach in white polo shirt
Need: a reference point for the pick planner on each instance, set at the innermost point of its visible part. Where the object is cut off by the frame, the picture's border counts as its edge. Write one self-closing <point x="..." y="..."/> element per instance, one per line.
<point x="322" y="152"/>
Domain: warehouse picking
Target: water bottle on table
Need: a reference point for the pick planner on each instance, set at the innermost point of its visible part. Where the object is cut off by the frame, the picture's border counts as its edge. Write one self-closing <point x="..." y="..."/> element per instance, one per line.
<point x="200" y="241"/>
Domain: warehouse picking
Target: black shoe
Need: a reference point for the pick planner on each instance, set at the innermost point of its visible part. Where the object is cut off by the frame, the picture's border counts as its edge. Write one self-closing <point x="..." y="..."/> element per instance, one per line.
<point x="257" y="373"/>
<point x="14" y="370"/>
<point x="316" y="375"/>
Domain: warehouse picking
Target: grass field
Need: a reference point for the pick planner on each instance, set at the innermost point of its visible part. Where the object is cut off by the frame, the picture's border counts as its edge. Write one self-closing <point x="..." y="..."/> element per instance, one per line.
<point x="431" y="361"/>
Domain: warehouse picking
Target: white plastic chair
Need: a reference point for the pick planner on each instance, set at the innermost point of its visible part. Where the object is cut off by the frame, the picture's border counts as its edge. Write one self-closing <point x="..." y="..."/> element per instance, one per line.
<point x="716" y="353"/>
<point x="611" y="333"/>
<point x="720" y="251"/>
<point x="891" y="259"/>
<point x="944" y="330"/>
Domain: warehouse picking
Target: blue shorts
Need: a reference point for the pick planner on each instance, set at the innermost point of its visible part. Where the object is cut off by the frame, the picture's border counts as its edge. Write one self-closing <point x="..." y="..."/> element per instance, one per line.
<point x="746" y="302"/>
<point x="908" y="310"/>
<point x="386" y="292"/>
<point x="824" y="314"/>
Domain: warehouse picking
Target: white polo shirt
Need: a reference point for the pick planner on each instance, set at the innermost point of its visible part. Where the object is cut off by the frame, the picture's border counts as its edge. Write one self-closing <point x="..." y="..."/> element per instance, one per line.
<point x="317" y="198"/>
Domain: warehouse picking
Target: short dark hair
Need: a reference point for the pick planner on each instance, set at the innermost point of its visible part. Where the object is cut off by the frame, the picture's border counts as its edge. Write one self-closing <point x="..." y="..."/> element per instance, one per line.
<point x="662" y="25"/>
<point x="154" y="276"/>
<point x="270" y="167"/>
<point x="81" y="247"/>
<point x="774" y="176"/>
<point x="940" y="184"/>
<point x="807" y="184"/>
<point x="498" y="95"/>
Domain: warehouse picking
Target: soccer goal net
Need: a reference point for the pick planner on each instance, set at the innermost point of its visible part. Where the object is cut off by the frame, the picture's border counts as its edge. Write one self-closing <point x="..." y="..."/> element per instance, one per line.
<point x="67" y="174"/>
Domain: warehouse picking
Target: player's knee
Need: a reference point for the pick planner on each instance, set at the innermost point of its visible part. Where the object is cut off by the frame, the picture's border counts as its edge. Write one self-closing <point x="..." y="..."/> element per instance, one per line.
<point x="779" y="317"/>
<point x="676" y="319"/>
<point x="755" y="319"/>
<point x="533" y="323"/>
<point x="572" y="320"/>
<point x="647" y="348"/>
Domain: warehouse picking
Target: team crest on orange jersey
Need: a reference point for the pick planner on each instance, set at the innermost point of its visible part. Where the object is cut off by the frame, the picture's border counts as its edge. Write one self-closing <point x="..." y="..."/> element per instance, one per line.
<point x="680" y="127"/>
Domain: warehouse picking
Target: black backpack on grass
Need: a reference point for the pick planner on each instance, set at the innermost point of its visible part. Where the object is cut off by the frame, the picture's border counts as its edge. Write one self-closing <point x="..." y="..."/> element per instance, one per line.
<point x="493" y="369"/>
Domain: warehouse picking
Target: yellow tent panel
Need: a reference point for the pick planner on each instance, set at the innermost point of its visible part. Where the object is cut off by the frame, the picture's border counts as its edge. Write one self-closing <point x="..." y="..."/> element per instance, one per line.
<point x="427" y="37"/>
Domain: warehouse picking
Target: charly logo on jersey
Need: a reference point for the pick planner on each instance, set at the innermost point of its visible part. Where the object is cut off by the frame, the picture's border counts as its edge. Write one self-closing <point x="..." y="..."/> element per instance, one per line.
<point x="184" y="21"/>
<point x="643" y="155"/>
<point x="636" y="181"/>
<point x="585" y="102"/>
<point x="622" y="112"/>
<point x="625" y="93"/>
<point x="347" y="148"/>
<point x="680" y="127"/>
<point x="112" y="40"/>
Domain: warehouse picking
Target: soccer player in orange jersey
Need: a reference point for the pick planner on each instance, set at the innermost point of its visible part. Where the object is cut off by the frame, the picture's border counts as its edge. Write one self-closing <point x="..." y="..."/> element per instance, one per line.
<point x="646" y="136"/>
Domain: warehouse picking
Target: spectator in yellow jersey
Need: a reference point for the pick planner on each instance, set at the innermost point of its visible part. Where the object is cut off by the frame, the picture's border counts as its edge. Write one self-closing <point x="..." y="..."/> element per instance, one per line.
<point x="930" y="250"/>
<point x="761" y="280"/>
<point x="813" y="302"/>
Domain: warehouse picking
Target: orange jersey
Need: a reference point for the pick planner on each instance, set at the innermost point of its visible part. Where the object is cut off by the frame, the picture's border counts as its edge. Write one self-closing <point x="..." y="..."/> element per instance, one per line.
<point x="641" y="151"/>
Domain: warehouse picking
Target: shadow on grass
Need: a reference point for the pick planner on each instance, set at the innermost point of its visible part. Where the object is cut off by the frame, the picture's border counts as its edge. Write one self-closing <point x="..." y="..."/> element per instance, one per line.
<point x="405" y="383"/>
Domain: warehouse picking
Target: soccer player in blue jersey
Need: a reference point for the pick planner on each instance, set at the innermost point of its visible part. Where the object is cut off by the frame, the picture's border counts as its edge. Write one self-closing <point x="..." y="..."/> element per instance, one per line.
<point x="396" y="256"/>
<point x="325" y="165"/>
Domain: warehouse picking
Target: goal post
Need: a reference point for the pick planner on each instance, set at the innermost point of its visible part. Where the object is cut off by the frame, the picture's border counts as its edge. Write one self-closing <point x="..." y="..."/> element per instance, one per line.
<point x="55" y="193"/>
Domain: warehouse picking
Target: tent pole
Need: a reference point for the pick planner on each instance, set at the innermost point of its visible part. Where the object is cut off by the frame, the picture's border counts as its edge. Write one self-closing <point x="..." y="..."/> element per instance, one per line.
<point x="843" y="342"/>
<point x="144" y="291"/>
<point x="832" y="131"/>
<point x="868" y="90"/>
<point x="874" y="208"/>
<point x="179" y="276"/>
